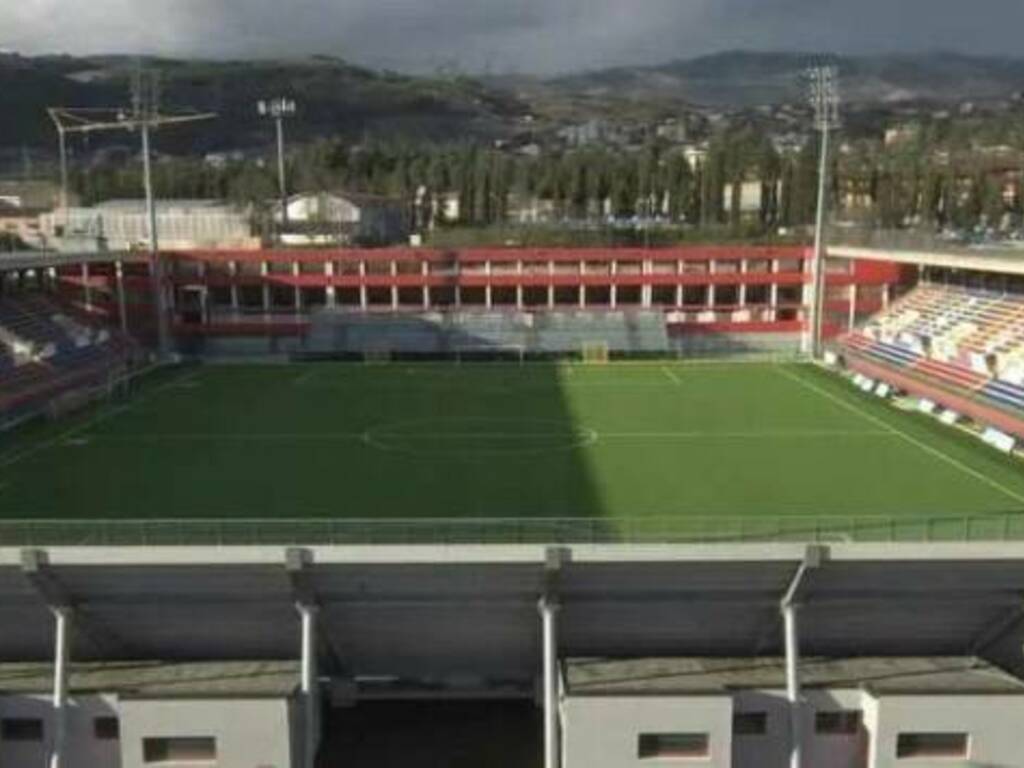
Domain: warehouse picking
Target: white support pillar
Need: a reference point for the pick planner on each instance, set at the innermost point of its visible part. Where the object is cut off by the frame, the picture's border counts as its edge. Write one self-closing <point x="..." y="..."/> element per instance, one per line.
<point x="264" y="271"/>
<point x="613" y="298"/>
<point x="233" y="271"/>
<point x="61" y="656"/>
<point x="583" y="287"/>
<point x="363" y="300"/>
<point x="853" y="307"/>
<point x="488" y="293"/>
<point x="742" y="298"/>
<point x="774" y="298"/>
<point x="425" y="271"/>
<point x="789" y="611"/>
<point x="330" y="293"/>
<point x="122" y="308"/>
<point x="296" y="272"/>
<point x="87" y="286"/>
<point x="309" y="687"/>
<point x="549" y="632"/>
<point x="647" y="291"/>
<point x="813" y="558"/>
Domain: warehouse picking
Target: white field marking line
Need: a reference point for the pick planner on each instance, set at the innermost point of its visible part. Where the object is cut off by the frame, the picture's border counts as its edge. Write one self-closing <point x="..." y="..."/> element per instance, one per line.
<point x="97" y="419"/>
<point x="900" y="433"/>
<point x="675" y="379"/>
<point x="419" y="436"/>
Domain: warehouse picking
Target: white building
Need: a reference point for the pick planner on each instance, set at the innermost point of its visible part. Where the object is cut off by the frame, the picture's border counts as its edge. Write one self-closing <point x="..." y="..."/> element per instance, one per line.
<point x="141" y="714"/>
<point x="342" y="218"/>
<point x="734" y="713"/>
<point x="119" y="225"/>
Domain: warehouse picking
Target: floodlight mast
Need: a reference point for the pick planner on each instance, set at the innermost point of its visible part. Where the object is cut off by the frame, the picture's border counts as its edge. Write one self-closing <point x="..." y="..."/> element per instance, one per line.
<point x="277" y="110"/>
<point x="144" y="116"/>
<point x="824" y="97"/>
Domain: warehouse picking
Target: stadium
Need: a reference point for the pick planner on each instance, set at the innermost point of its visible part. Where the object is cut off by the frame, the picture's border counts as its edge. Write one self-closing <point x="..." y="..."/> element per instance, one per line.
<point x="499" y="506"/>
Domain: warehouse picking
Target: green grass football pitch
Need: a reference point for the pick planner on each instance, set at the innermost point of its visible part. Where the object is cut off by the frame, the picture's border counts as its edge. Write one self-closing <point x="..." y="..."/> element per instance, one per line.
<point x="720" y="449"/>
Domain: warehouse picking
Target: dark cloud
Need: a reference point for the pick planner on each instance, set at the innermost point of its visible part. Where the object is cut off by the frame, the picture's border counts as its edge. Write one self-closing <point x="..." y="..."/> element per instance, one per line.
<point x="519" y="35"/>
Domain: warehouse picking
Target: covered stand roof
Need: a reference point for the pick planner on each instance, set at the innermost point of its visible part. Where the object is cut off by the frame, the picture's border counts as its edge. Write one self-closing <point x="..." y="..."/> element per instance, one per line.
<point x="432" y="612"/>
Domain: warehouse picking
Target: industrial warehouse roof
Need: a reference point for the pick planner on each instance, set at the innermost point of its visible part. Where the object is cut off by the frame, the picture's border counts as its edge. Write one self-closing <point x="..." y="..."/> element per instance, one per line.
<point x="156" y="679"/>
<point x="455" y="611"/>
<point x="879" y="675"/>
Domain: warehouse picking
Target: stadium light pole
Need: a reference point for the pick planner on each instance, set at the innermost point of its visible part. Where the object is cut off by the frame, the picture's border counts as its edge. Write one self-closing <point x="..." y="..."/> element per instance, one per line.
<point x="144" y="116"/>
<point x="824" y="99"/>
<point x="62" y="148"/>
<point x="278" y="110"/>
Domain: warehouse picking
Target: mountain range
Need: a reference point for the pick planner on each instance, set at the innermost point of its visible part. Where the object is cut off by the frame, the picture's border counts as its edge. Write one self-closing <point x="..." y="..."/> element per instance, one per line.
<point x="338" y="98"/>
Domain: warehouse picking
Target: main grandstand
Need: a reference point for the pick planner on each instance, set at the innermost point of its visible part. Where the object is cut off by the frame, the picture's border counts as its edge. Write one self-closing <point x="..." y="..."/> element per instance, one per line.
<point x="364" y="422"/>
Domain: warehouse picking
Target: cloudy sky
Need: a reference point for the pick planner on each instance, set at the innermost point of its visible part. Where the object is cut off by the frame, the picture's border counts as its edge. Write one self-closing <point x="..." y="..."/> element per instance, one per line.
<point x="507" y="35"/>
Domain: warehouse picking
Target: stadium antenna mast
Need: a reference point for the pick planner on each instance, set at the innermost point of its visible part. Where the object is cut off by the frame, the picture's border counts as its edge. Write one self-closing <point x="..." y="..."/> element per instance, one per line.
<point x="824" y="98"/>
<point x="143" y="116"/>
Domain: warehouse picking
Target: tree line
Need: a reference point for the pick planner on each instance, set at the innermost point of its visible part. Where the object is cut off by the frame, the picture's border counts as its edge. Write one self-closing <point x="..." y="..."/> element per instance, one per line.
<point x="913" y="184"/>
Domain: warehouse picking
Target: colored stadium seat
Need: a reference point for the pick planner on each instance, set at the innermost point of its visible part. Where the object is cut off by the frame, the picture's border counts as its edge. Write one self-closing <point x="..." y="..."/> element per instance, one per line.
<point x="969" y="339"/>
<point x="45" y="350"/>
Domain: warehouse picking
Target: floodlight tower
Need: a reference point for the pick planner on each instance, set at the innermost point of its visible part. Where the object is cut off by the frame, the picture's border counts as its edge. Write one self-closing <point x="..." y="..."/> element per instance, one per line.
<point x="278" y="110"/>
<point x="824" y="98"/>
<point x="144" y="116"/>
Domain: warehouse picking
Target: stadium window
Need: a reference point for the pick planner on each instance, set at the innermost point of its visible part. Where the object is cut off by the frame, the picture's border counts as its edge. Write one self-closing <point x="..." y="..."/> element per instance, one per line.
<point x="941" y="745"/>
<point x="106" y="728"/>
<point x="844" y="722"/>
<point x="21" y="729"/>
<point x="758" y="294"/>
<point x="750" y="723"/>
<point x="673" y="746"/>
<point x="220" y="296"/>
<point x="727" y="296"/>
<point x="179" y="749"/>
<point x="695" y="295"/>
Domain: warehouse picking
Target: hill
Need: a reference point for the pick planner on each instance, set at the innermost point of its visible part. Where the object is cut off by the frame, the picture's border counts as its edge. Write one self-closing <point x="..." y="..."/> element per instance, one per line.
<point x="334" y="98"/>
<point x="739" y="79"/>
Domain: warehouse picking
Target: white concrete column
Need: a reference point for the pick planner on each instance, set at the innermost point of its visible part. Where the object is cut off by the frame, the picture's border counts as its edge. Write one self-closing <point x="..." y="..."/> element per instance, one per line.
<point x="549" y="635"/>
<point x="394" y="288"/>
<point x="363" y="301"/>
<point x="774" y="298"/>
<point x="613" y="298"/>
<point x="296" y="272"/>
<point x="330" y="293"/>
<point x="647" y="291"/>
<point x="789" y="617"/>
<point x="233" y="271"/>
<point x="853" y="307"/>
<point x="86" y="286"/>
<point x="743" y="285"/>
<point x="425" y="271"/>
<point x="122" y="308"/>
<point x="264" y="271"/>
<point x="711" y="286"/>
<point x="309" y="687"/>
<point x="61" y="655"/>
<point x="488" y="295"/>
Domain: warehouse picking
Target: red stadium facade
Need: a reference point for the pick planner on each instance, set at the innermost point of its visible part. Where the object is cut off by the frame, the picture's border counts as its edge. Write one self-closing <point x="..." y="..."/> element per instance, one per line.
<point x="701" y="289"/>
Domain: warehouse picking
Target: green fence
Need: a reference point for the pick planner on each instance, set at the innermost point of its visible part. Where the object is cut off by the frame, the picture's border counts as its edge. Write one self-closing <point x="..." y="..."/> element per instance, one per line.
<point x="712" y="529"/>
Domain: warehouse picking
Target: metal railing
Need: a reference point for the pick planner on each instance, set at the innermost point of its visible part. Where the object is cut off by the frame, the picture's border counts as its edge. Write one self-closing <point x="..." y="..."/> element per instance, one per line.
<point x="994" y="527"/>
